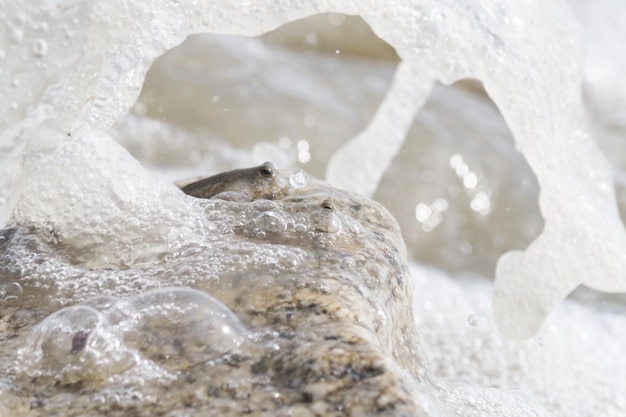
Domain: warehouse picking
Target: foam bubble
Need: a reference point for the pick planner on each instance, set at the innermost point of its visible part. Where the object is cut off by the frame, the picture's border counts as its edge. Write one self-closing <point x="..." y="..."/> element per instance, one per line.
<point x="536" y="104"/>
<point x="10" y="291"/>
<point x="170" y="327"/>
<point x="262" y="205"/>
<point x="179" y="326"/>
<point x="90" y="205"/>
<point x="74" y="344"/>
<point x="324" y="220"/>
<point x="353" y="225"/>
<point x="271" y="222"/>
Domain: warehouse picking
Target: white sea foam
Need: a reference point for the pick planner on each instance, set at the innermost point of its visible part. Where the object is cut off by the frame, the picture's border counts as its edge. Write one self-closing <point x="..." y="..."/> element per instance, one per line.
<point x="84" y="62"/>
<point x="574" y="366"/>
<point x="527" y="55"/>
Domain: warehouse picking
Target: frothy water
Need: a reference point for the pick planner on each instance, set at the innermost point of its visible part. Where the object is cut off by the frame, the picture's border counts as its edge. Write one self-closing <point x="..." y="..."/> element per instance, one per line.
<point x="92" y="221"/>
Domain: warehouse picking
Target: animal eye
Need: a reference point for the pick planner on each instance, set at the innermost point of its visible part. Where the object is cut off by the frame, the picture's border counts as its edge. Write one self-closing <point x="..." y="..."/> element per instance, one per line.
<point x="267" y="170"/>
<point x="327" y="205"/>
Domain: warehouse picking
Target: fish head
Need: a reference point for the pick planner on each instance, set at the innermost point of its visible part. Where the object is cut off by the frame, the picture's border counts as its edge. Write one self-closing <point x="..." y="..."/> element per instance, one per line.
<point x="269" y="182"/>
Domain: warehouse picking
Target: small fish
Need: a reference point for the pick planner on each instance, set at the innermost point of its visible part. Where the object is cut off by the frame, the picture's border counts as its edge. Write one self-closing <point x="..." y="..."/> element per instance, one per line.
<point x="249" y="184"/>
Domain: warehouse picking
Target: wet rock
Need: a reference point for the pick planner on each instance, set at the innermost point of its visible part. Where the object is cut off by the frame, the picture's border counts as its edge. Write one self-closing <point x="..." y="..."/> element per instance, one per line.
<point x="298" y="306"/>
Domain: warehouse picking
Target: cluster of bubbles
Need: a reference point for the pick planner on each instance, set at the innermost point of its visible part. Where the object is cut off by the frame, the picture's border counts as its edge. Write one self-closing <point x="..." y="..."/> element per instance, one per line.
<point x="308" y="223"/>
<point x="167" y="328"/>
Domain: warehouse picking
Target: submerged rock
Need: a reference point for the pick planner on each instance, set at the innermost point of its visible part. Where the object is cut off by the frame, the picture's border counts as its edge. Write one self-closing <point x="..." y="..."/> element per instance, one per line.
<point x="298" y="306"/>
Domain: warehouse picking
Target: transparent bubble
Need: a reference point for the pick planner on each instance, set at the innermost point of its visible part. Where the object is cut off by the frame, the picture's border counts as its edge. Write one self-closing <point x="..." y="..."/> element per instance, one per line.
<point x="289" y="257"/>
<point x="325" y="221"/>
<point x="179" y="327"/>
<point x="245" y="247"/>
<point x="354" y="225"/>
<point x="271" y="222"/>
<point x="263" y="205"/>
<point x="299" y="228"/>
<point x="299" y="178"/>
<point x="10" y="291"/>
<point x="75" y="344"/>
<point x="472" y="320"/>
<point x="162" y="329"/>
<point x="101" y="303"/>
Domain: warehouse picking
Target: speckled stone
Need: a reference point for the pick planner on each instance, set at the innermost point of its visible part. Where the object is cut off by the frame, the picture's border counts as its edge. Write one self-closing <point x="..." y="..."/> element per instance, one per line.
<point x="325" y="292"/>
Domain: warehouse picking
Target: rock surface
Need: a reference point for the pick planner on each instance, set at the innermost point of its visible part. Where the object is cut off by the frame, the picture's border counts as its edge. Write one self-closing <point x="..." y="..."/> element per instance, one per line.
<point x="311" y="315"/>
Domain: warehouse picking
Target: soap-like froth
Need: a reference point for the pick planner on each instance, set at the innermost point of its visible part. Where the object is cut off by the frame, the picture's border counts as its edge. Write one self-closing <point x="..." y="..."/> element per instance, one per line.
<point x="480" y="40"/>
<point x="99" y="214"/>
<point x="147" y="337"/>
<point x="50" y="269"/>
<point x="552" y="76"/>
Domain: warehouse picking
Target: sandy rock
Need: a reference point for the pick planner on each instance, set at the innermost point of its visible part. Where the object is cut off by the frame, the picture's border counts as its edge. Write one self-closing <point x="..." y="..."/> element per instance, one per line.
<point x="317" y="277"/>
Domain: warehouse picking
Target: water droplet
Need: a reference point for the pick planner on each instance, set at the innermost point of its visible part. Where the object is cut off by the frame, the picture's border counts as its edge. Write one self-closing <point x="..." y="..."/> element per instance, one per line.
<point x="472" y="320"/>
<point x="299" y="178"/>
<point x="39" y="47"/>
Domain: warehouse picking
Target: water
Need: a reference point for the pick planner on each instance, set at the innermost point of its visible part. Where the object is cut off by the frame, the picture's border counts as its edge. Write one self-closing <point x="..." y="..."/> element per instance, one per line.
<point x="460" y="191"/>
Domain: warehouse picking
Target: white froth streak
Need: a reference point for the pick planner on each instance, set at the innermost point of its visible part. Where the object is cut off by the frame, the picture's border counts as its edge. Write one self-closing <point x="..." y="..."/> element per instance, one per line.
<point x="528" y="57"/>
<point x="526" y="54"/>
<point x="361" y="163"/>
<point x="74" y="177"/>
